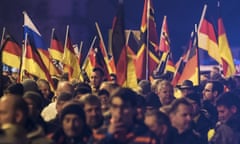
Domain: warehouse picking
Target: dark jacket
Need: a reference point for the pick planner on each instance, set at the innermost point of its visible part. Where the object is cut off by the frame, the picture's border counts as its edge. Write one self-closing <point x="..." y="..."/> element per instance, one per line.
<point x="227" y="133"/>
<point x="137" y="134"/>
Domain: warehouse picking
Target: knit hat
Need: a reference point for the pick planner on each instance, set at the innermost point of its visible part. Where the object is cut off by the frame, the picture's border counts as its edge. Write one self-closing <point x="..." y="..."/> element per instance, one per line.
<point x="73" y="109"/>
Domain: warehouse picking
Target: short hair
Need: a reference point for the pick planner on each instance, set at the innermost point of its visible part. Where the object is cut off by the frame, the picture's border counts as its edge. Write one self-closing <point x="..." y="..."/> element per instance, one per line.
<point x="216" y="86"/>
<point x="82" y="88"/>
<point x="103" y="92"/>
<point x="175" y="104"/>
<point x="101" y="72"/>
<point x="90" y="99"/>
<point x="160" y="117"/>
<point x="164" y="83"/>
<point x="19" y="104"/>
<point x="127" y="95"/>
<point x="228" y="100"/>
<point x="43" y="81"/>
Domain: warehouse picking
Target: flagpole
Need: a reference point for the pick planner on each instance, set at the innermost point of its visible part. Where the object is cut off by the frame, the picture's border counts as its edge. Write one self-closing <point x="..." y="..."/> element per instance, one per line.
<point x="197" y="51"/>
<point x="202" y="16"/>
<point x="65" y="44"/>
<point x="80" y="51"/>
<point x="1" y="47"/>
<point x="53" y="30"/>
<point x="148" y="11"/>
<point x="100" y="35"/>
<point x="85" y="61"/>
<point x="24" y="47"/>
<point x="3" y="33"/>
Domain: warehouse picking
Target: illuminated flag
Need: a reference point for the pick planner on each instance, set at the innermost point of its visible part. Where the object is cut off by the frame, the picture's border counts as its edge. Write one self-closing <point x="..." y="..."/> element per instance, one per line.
<point x="147" y="59"/>
<point x="119" y="48"/>
<point x="56" y="47"/>
<point x="207" y="39"/>
<point x="36" y="38"/>
<point x="70" y="59"/>
<point x="32" y="62"/>
<point x="164" y="47"/>
<point x="11" y="52"/>
<point x="225" y="51"/>
<point x="191" y="68"/>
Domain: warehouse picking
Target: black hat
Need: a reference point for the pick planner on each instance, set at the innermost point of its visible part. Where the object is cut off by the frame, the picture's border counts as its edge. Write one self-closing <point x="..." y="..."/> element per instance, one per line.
<point x="73" y="108"/>
<point x="187" y="84"/>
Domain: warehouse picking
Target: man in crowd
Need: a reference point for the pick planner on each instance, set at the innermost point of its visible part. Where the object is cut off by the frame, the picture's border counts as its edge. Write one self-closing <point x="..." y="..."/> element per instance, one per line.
<point x="96" y="78"/>
<point x="181" y="119"/>
<point x="228" y="128"/>
<point x="123" y="128"/>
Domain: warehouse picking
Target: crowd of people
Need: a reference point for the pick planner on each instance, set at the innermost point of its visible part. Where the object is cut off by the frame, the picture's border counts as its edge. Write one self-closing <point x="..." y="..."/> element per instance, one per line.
<point x="103" y="112"/>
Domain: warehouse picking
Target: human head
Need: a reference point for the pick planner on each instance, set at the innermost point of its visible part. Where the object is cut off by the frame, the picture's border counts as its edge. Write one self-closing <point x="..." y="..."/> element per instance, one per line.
<point x="13" y="110"/>
<point x="44" y="87"/>
<point x="92" y="108"/>
<point x="123" y="106"/>
<point x="212" y="90"/>
<point x="227" y="106"/>
<point x="145" y="87"/>
<point x="113" y="78"/>
<point x="64" y="86"/>
<point x="186" y="88"/>
<point x="157" y="122"/>
<point x="104" y="98"/>
<point x="15" y="88"/>
<point x="195" y="99"/>
<point x="165" y="92"/>
<point x="180" y="114"/>
<point x="96" y="78"/>
<point x="34" y="101"/>
<point x="215" y="71"/>
<point x="61" y="100"/>
<point x="30" y="85"/>
<point x="73" y="121"/>
<point x="81" y="90"/>
<point x="108" y="86"/>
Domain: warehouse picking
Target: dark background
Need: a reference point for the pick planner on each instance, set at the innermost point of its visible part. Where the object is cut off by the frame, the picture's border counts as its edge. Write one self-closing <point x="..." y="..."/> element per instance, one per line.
<point x="81" y="15"/>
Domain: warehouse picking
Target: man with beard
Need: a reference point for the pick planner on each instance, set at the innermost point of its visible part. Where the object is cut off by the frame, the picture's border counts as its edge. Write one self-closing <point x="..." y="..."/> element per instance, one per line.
<point x="92" y="108"/>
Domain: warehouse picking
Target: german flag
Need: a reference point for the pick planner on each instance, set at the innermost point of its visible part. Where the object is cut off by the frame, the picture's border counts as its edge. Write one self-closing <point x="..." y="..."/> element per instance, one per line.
<point x="191" y="68"/>
<point x="207" y="39"/>
<point x="119" y="48"/>
<point x="70" y="59"/>
<point x="56" y="48"/>
<point x="11" y="52"/>
<point x="225" y="51"/>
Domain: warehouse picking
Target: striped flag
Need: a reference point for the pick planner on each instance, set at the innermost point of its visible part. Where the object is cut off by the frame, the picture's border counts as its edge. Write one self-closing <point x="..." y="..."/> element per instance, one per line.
<point x="147" y="59"/>
<point x="119" y="48"/>
<point x="32" y="62"/>
<point x="70" y="59"/>
<point x="207" y="39"/>
<point x="56" y="47"/>
<point x="191" y="68"/>
<point x="225" y="51"/>
<point x="11" y="52"/>
<point x="36" y="38"/>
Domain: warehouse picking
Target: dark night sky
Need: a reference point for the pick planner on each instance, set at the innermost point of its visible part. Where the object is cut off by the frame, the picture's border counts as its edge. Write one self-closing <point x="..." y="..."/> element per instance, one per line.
<point x="82" y="14"/>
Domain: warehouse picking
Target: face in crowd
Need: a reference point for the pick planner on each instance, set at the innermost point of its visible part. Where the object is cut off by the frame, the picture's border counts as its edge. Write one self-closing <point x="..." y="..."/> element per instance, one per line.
<point x="96" y="78"/>
<point x="165" y="92"/>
